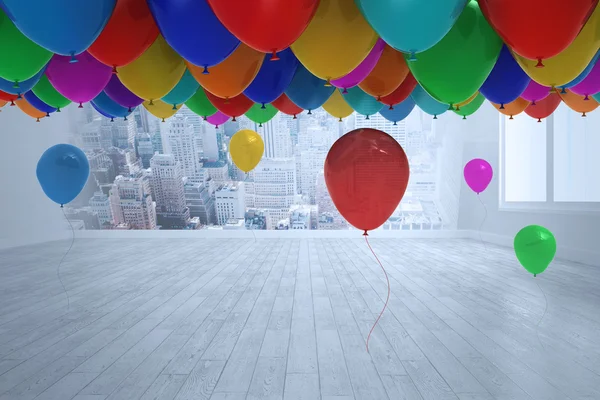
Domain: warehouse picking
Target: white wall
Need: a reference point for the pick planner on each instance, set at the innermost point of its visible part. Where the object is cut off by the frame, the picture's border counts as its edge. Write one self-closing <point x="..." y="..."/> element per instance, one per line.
<point x="26" y="214"/>
<point x="577" y="235"/>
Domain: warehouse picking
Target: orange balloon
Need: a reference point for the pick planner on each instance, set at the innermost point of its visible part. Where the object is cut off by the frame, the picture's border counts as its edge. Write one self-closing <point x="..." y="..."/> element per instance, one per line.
<point x="29" y="109"/>
<point x="232" y="76"/>
<point x="513" y="108"/>
<point x="577" y="103"/>
<point x="389" y="73"/>
<point x="2" y="103"/>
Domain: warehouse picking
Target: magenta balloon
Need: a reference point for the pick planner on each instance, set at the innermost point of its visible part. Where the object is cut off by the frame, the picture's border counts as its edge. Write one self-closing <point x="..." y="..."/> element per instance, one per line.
<point x="535" y="91"/>
<point x="478" y="174"/>
<point x="590" y="84"/>
<point x="79" y="81"/>
<point x="218" y="118"/>
<point x="358" y="74"/>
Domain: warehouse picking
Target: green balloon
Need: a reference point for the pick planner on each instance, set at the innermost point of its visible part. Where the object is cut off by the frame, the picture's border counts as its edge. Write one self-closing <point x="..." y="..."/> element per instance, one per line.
<point x="20" y="58"/>
<point x="535" y="247"/>
<point x="470" y="108"/>
<point x="200" y="104"/>
<point x="456" y="67"/>
<point x="260" y="115"/>
<point x="46" y="93"/>
<point x="362" y="102"/>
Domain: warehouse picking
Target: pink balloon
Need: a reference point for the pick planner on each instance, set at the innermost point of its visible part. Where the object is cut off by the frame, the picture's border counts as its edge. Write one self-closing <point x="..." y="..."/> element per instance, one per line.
<point x="218" y="118"/>
<point x="591" y="84"/>
<point x="359" y="73"/>
<point x="478" y="174"/>
<point x="535" y="92"/>
<point x="79" y="81"/>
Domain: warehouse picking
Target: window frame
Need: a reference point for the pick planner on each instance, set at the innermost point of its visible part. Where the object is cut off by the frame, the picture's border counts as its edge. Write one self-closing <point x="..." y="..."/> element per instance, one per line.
<point x="549" y="205"/>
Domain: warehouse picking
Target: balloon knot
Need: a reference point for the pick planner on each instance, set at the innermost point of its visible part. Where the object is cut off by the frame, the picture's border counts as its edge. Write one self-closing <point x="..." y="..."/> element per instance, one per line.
<point x="345" y="91"/>
<point x="395" y="123"/>
<point x="73" y="59"/>
<point x="502" y="106"/>
<point x="378" y="98"/>
<point x="129" y="109"/>
<point x="412" y="56"/>
<point x="534" y="275"/>
<point x="47" y="114"/>
<point x="125" y="118"/>
<point x="533" y="103"/>
<point x="450" y="107"/>
<point x="80" y="105"/>
<point x="586" y="97"/>
<point x="295" y="117"/>
<point x="539" y="64"/>
<point x="328" y="83"/>
<point x="464" y="117"/>
<point x="61" y="206"/>
<point x="260" y="125"/>
<point x="114" y="71"/>
<point x="37" y="120"/>
<point x="340" y="120"/>
<point x="205" y="70"/>
<point x="174" y="107"/>
<point x="367" y="117"/>
<point x="435" y="117"/>
<point x="16" y="85"/>
<point x="12" y="103"/>
<point x="205" y="118"/>
<point x="511" y="117"/>
<point x="365" y="233"/>
<point x="391" y="107"/>
<point x="457" y="108"/>
<point x="19" y="97"/>
<point x="216" y="126"/>
<point x="163" y="120"/>
<point x="262" y="107"/>
<point x="58" y="109"/>
<point x="539" y="120"/>
<point x="233" y="120"/>
<point x="309" y="112"/>
<point x="563" y="91"/>
<point x="274" y="56"/>
<point x="583" y="115"/>
<point x="112" y="120"/>
<point x="226" y="100"/>
<point x="151" y="103"/>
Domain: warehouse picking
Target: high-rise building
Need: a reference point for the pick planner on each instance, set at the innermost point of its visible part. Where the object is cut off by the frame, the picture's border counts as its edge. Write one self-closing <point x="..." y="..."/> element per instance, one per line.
<point x="230" y="202"/>
<point x="277" y="139"/>
<point x="168" y="185"/>
<point x="210" y="145"/>
<point x="200" y="202"/>
<point x="102" y="167"/>
<point x="397" y="131"/>
<point x="182" y="145"/>
<point x="275" y="188"/>
<point x="100" y="204"/>
<point x="218" y="171"/>
<point x="131" y="203"/>
<point x="312" y="162"/>
<point x="145" y="149"/>
<point x="329" y="216"/>
<point x="140" y="116"/>
<point x="90" y="137"/>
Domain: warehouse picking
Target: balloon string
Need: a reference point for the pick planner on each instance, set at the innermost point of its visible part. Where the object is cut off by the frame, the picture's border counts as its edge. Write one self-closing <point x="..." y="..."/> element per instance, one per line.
<point x="388" y="292"/>
<point x="481" y="225"/>
<point x="253" y="234"/>
<point x="537" y="328"/>
<point x="63" y="259"/>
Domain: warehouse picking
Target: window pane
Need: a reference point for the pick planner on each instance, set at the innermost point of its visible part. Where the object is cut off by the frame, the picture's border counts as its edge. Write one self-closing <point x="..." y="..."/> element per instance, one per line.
<point x="524" y="159"/>
<point x="576" y="161"/>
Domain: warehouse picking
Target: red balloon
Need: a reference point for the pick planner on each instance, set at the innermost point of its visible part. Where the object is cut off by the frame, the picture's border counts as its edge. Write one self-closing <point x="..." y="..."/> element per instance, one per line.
<point x="537" y="29"/>
<point x="129" y="32"/>
<point x="8" y="97"/>
<point x="543" y="108"/>
<point x="401" y="93"/>
<point x="366" y="172"/>
<point x="286" y="106"/>
<point x="232" y="107"/>
<point x="265" y="25"/>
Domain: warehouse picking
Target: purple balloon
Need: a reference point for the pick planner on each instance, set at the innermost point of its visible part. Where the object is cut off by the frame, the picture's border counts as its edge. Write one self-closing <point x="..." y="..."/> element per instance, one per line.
<point x="79" y="81"/>
<point x="535" y="92"/>
<point x="218" y="118"/>
<point x="478" y="174"/>
<point x="591" y="84"/>
<point x="358" y="74"/>
<point x="120" y="94"/>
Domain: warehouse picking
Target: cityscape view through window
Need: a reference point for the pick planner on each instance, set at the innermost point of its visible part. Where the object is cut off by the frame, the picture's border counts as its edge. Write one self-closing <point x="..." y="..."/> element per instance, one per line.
<point x="178" y="174"/>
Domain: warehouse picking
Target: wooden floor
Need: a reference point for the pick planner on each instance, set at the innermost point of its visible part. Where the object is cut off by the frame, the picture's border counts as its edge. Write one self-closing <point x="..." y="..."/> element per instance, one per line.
<point x="234" y="319"/>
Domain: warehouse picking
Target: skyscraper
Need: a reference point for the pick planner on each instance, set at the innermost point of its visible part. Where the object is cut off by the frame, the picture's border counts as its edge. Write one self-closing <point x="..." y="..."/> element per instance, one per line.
<point x="100" y="204"/>
<point x="168" y="185"/>
<point x="312" y="162"/>
<point x="145" y="149"/>
<point x="376" y="121"/>
<point x="277" y="139"/>
<point x="275" y="188"/>
<point x="182" y="145"/>
<point x="230" y="202"/>
<point x="200" y="202"/>
<point x="132" y="204"/>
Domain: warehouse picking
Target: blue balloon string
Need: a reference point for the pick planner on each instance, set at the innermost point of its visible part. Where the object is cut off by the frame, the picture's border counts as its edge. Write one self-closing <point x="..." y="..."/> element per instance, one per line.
<point x="63" y="259"/>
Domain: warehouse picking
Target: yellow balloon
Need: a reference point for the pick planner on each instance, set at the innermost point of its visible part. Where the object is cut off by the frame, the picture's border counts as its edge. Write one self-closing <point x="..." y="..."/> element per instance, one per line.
<point x="154" y="73"/>
<point x="246" y="148"/>
<point x="336" y="40"/>
<point x="337" y="107"/>
<point x="566" y="66"/>
<point x="160" y="109"/>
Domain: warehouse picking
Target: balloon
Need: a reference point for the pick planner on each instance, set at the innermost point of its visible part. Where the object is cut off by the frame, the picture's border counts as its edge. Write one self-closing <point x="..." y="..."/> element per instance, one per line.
<point x="524" y="26"/>
<point x="273" y="78"/>
<point x="307" y="91"/>
<point x="112" y="117"/>
<point x="361" y="102"/>
<point x="182" y="92"/>
<point x="401" y="93"/>
<point x="562" y="68"/>
<point x="535" y="248"/>
<point x="120" y="94"/>
<point x="155" y="73"/>
<point x="411" y="26"/>
<point x="246" y="148"/>
<point x="507" y="81"/>
<point x="265" y="25"/>
<point x="160" y="109"/>
<point x="286" y="106"/>
<point x="65" y="27"/>
<point x="38" y="104"/>
<point x="200" y="104"/>
<point x="337" y="107"/>
<point x="590" y="85"/>
<point x="261" y="113"/>
<point x="46" y="93"/>
<point x="24" y="86"/>
<point x="543" y="108"/>
<point x="20" y="58"/>
<point x="578" y="103"/>
<point x="8" y="97"/>
<point x="535" y="92"/>
<point x="109" y="106"/>
<point x="232" y="76"/>
<point x="192" y="30"/>
<point x="583" y="74"/>
<point x="363" y="69"/>
<point x="427" y="103"/>
<point x="513" y="108"/>
<point x="336" y="41"/>
<point x="469" y="108"/>
<point x="399" y="112"/>
<point x="478" y="174"/>
<point x="63" y="171"/>
<point x="217" y="119"/>
<point x="81" y="81"/>
<point x="130" y="31"/>
<point x="2" y="103"/>
<point x="30" y="110"/>
<point x="456" y="67"/>
<point x="234" y="107"/>
<point x="595" y="97"/>
<point x="388" y="74"/>
<point x="366" y="173"/>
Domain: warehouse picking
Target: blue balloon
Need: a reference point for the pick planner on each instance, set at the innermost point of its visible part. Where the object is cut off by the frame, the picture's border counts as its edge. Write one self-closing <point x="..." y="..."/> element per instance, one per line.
<point x="183" y="91"/>
<point x="273" y="78"/>
<point x="306" y="90"/>
<point x="112" y="117"/>
<point x="427" y="103"/>
<point x="24" y="86"/>
<point x="193" y="30"/>
<point x="39" y="104"/>
<point x="66" y="27"/>
<point x="584" y="73"/>
<point x="361" y="102"/>
<point x="108" y="107"/>
<point x="507" y="81"/>
<point x="62" y="172"/>
<point x="399" y="112"/>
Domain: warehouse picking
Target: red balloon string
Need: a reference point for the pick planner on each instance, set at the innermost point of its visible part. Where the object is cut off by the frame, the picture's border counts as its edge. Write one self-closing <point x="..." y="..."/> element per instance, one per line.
<point x="388" y="291"/>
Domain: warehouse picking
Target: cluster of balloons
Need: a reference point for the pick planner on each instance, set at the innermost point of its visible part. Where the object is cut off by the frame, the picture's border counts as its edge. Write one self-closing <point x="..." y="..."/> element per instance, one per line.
<point x="224" y="59"/>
